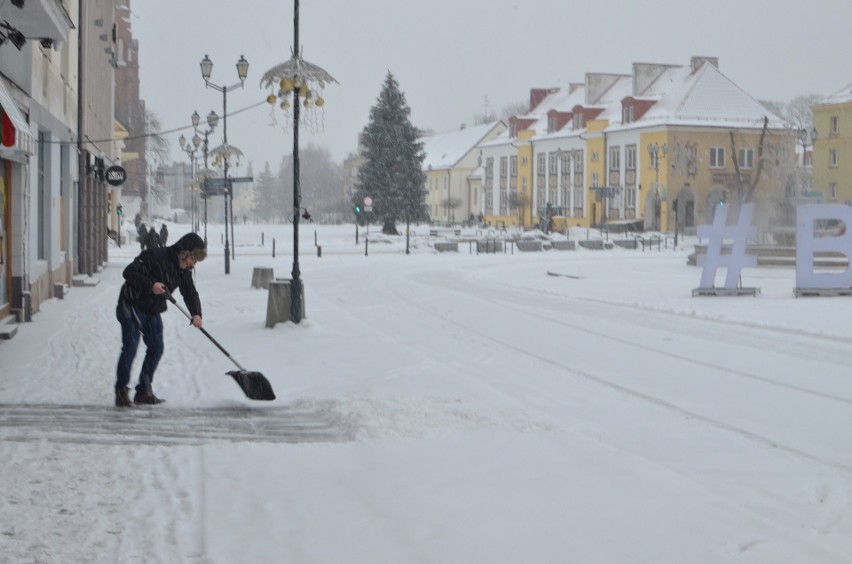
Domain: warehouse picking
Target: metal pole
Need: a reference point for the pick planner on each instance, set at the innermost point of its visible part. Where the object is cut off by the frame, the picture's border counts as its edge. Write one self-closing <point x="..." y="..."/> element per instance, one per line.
<point x="296" y="282"/>
<point x="227" y="184"/>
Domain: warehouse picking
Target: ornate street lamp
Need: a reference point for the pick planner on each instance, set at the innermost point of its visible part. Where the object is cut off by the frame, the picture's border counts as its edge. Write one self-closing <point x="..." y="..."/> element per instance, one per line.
<point x="658" y="152"/>
<point x="242" y="72"/>
<point x="190" y="149"/>
<point x="305" y="80"/>
<point x="212" y="121"/>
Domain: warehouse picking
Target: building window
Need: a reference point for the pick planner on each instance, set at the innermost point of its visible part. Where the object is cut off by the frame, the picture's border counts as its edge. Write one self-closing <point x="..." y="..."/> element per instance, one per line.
<point x="578" y="162"/>
<point x="489" y="167"/>
<point x="579" y="122"/>
<point x="630" y="197"/>
<point x="835" y="125"/>
<point x="834" y="157"/>
<point x="551" y="124"/>
<point x="614" y="158"/>
<point x="832" y="190"/>
<point x="513" y="167"/>
<point x="595" y="156"/>
<point x="595" y="179"/>
<point x="717" y="157"/>
<point x="503" y="166"/>
<point x="746" y="159"/>
<point x="630" y="157"/>
<point x="552" y="162"/>
<point x="578" y="201"/>
<point x="542" y="164"/>
<point x="627" y="114"/>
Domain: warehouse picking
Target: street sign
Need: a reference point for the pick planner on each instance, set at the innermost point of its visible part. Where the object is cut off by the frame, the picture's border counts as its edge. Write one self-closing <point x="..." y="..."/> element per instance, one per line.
<point x="242" y="179"/>
<point x="368" y="201"/>
<point x="115" y="175"/>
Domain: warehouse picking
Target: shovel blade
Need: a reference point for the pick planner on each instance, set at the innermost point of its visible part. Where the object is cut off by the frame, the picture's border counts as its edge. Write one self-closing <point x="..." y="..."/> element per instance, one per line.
<point x="254" y="384"/>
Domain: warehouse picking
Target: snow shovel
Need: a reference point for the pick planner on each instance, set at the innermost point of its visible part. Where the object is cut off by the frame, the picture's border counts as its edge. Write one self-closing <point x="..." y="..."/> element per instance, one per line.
<point x="254" y="384"/>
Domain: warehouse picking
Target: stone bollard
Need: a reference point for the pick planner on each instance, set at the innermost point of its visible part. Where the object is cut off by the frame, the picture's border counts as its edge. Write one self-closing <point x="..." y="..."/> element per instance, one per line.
<point x="260" y="277"/>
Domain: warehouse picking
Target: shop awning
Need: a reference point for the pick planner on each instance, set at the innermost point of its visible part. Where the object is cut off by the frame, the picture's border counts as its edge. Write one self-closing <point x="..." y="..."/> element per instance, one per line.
<point x="15" y="136"/>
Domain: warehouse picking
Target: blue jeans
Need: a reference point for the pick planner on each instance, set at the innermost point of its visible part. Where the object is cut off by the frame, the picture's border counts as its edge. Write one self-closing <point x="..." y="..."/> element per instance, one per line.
<point x="134" y="324"/>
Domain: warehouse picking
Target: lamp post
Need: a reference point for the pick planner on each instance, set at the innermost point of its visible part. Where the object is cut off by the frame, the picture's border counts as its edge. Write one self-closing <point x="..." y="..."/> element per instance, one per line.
<point x="212" y="122"/>
<point x="242" y="72"/>
<point x="658" y="152"/>
<point x="190" y="149"/>
<point x="303" y="79"/>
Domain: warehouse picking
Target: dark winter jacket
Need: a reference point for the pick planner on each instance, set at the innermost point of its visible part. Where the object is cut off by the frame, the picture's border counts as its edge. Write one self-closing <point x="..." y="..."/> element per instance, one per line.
<point x="153" y="239"/>
<point x="161" y="265"/>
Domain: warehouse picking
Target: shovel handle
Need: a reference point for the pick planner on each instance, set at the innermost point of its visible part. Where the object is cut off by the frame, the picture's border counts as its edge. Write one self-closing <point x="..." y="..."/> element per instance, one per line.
<point x="206" y="334"/>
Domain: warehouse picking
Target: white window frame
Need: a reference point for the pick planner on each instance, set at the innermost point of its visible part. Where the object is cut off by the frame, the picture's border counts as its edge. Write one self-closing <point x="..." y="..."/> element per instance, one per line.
<point x="630" y="157"/>
<point x="717" y="157"/>
<point x="834" y="159"/>
<point x="746" y="157"/>
<point x="630" y="197"/>
<point x="615" y="158"/>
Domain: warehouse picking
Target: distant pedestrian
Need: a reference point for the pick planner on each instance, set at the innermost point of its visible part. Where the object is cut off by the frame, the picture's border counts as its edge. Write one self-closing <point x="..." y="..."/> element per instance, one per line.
<point x="142" y="235"/>
<point x="164" y="235"/>
<point x="153" y="240"/>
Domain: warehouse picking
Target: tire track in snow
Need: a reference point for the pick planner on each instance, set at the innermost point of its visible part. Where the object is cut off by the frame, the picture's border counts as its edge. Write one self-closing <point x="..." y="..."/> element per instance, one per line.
<point x="754" y="437"/>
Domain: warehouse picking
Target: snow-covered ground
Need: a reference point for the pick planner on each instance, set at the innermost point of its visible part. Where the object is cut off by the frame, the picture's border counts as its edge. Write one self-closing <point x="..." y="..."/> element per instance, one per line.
<point x="563" y="406"/>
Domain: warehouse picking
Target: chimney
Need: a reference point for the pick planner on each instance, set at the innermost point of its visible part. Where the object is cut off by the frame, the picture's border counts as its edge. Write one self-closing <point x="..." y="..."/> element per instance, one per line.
<point x="536" y="96"/>
<point x="698" y="62"/>
<point x="644" y="75"/>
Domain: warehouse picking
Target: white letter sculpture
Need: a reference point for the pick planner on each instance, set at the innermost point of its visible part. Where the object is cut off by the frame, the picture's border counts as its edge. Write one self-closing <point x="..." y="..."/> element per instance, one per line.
<point x="716" y="235"/>
<point x="807" y="245"/>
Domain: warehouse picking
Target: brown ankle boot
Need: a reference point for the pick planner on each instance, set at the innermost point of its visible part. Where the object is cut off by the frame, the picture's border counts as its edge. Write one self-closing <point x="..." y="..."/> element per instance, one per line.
<point x="147" y="397"/>
<point x="122" y="398"/>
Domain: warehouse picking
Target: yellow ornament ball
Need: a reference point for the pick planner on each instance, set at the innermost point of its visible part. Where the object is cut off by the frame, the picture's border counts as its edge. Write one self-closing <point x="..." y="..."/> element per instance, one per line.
<point x="270" y="99"/>
<point x="320" y="101"/>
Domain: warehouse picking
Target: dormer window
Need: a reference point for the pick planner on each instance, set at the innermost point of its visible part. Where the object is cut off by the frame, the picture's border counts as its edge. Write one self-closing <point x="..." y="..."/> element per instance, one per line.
<point x="579" y="122"/>
<point x="551" y="124"/>
<point x="627" y="114"/>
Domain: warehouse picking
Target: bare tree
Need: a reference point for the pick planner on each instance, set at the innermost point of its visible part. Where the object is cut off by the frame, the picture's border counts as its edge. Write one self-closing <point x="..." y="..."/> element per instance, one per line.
<point x="747" y="195"/>
<point x="157" y="154"/>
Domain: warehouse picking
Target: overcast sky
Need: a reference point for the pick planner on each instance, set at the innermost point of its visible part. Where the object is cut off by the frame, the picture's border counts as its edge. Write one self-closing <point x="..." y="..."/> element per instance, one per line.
<point x="449" y="56"/>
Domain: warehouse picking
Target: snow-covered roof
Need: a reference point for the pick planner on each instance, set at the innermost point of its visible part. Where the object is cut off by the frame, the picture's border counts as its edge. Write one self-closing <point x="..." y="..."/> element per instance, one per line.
<point x="842" y="96"/>
<point x="444" y="150"/>
<point x="704" y="97"/>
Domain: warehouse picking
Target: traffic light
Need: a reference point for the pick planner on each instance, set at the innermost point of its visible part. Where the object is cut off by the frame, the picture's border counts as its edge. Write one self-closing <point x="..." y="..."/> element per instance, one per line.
<point x="724" y="199"/>
<point x="357" y="209"/>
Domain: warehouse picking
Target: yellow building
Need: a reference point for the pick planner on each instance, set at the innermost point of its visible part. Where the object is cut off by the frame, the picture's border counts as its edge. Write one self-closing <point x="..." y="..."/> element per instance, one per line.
<point x="832" y="157"/>
<point x="621" y="149"/>
<point x="453" y="179"/>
